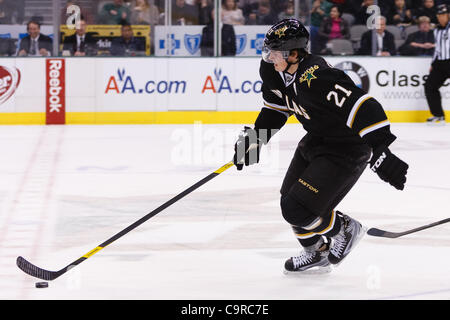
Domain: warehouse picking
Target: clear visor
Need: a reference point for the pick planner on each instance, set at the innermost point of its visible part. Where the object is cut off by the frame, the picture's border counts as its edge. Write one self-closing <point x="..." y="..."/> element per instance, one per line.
<point x="273" y="56"/>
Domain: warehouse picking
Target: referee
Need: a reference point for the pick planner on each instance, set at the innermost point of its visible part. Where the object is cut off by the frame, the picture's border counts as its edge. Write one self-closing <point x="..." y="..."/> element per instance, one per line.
<point x="440" y="67"/>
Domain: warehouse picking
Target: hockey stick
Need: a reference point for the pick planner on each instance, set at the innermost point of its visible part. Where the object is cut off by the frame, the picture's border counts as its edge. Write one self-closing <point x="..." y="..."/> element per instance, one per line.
<point x="43" y="274"/>
<point x="388" y="234"/>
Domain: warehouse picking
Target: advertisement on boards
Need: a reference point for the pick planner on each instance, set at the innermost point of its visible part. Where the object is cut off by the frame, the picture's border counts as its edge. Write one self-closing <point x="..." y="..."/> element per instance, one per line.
<point x="185" y="41"/>
<point x="235" y="85"/>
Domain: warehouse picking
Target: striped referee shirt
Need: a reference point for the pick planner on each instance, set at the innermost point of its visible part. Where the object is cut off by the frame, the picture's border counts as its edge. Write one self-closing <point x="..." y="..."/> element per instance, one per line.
<point x="442" y="41"/>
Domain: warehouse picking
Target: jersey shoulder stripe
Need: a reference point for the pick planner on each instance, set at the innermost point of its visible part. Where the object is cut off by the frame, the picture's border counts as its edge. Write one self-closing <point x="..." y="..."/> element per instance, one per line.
<point x="374" y="127"/>
<point x="355" y="108"/>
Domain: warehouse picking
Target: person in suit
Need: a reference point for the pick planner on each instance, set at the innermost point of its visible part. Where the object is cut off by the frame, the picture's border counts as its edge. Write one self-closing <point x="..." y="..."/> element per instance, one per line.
<point x="35" y="43"/>
<point x="127" y="44"/>
<point x="419" y="43"/>
<point x="80" y="44"/>
<point x="384" y="41"/>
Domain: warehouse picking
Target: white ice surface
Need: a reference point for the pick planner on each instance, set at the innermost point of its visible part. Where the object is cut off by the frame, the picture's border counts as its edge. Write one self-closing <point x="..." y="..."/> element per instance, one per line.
<point x="66" y="189"/>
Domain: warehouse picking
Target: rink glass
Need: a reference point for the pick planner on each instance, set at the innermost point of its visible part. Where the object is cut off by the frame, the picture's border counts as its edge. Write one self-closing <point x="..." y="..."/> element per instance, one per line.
<point x="157" y="26"/>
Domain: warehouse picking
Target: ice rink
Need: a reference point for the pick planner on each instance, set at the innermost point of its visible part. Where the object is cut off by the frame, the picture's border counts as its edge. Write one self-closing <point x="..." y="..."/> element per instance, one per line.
<point x="66" y="189"/>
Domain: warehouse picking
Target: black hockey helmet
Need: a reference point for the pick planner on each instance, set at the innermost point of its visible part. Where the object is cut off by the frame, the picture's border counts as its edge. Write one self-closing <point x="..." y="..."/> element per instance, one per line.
<point x="286" y="35"/>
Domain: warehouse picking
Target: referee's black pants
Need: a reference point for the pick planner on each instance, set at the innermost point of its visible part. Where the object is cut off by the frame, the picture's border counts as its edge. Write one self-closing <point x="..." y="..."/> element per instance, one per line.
<point x="439" y="73"/>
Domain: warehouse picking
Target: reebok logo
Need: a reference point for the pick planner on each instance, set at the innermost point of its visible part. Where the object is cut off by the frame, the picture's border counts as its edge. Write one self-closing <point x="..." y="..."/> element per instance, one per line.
<point x="55" y="85"/>
<point x="56" y="91"/>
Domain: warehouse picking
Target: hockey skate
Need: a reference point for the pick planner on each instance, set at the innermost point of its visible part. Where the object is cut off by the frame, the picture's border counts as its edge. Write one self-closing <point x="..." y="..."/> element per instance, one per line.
<point x="312" y="260"/>
<point x="436" y="121"/>
<point x="345" y="241"/>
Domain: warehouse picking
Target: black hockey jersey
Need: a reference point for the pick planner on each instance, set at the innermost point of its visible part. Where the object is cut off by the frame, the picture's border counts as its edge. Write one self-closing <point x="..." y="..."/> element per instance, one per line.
<point x="325" y="101"/>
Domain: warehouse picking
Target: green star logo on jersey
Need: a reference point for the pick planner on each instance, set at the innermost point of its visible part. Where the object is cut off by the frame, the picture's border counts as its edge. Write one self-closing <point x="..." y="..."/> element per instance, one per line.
<point x="308" y="75"/>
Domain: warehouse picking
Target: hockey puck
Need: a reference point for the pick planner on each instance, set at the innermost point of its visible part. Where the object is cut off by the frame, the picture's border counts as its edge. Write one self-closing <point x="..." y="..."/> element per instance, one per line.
<point x="41" y="284"/>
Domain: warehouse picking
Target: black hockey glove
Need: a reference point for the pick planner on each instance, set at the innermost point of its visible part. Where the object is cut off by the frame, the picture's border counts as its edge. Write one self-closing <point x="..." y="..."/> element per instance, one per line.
<point x="389" y="167"/>
<point x="247" y="148"/>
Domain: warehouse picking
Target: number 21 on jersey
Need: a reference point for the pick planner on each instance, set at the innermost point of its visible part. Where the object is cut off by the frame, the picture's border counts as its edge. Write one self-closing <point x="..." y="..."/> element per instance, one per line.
<point x="334" y="94"/>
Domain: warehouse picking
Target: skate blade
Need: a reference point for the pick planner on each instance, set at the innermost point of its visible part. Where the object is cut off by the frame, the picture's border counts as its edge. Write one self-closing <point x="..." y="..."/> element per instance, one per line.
<point x="436" y="124"/>
<point x="311" y="271"/>
<point x="361" y="234"/>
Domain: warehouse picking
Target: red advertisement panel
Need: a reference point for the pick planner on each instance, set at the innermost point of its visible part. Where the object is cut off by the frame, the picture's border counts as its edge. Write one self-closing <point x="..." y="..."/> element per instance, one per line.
<point x="55" y="91"/>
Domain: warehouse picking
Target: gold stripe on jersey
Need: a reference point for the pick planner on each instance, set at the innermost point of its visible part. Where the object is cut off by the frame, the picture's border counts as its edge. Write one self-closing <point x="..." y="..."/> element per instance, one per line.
<point x="373" y="127"/>
<point x="276" y="107"/>
<point x="354" y="111"/>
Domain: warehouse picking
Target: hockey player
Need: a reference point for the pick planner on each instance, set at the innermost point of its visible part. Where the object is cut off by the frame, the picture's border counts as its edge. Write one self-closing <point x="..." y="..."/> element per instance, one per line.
<point x="344" y="127"/>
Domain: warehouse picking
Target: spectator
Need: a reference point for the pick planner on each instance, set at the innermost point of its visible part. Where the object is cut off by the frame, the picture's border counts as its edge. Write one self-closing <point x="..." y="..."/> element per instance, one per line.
<point x="114" y="13"/>
<point x="384" y="41"/>
<point x="278" y="6"/>
<point x="414" y="3"/>
<point x="347" y="6"/>
<point x="11" y="11"/>
<point x="144" y="13"/>
<point x="288" y="13"/>
<point x="333" y="27"/>
<point x="228" y="39"/>
<point x="420" y="43"/>
<point x="16" y="11"/>
<point x="248" y="6"/>
<point x="231" y="14"/>
<point x="7" y="47"/>
<point x="263" y="15"/>
<point x="361" y="15"/>
<point x="400" y="15"/>
<point x="84" y="14"/>
<point x="205" y="7"/>
<point x="80" y="44"/>
<point x="427" y="9"/>
<point x="319" y="11"/>
<point x="35" y="43"/>
<point x="5" y="12"/>
<point x="127" y="44"/>
<point x="184" y="14"/>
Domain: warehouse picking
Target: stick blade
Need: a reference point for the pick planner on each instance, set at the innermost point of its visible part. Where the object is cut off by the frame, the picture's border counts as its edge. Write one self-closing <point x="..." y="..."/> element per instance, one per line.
<point x="382" y="233"/>
<point x="35" y="271"/>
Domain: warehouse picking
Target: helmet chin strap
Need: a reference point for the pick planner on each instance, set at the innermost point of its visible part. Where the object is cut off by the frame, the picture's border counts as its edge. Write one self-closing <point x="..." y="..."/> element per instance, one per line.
<point x="289" y="64"/>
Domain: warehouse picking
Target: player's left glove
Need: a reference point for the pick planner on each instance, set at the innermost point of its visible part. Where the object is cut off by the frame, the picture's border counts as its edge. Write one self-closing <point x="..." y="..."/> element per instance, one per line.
<point x="247" y="148"/>
<point x="389" y="167"/>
